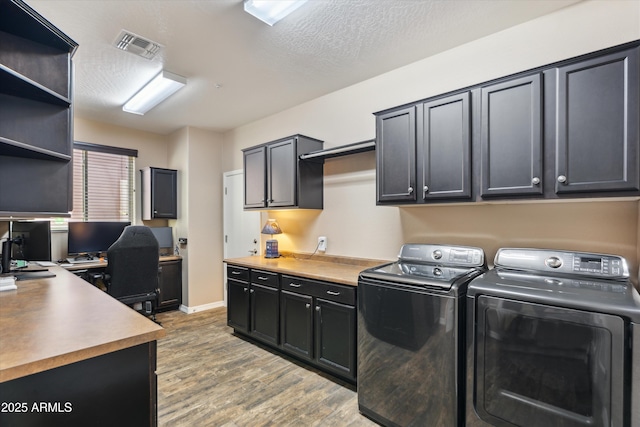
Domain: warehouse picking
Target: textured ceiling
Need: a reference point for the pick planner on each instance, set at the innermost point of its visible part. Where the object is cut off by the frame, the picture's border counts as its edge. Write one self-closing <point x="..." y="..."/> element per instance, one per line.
<point x="324" y="46"/>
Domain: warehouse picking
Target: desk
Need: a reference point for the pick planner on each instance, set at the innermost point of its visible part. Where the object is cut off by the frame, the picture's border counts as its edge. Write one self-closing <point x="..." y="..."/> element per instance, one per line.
<point x="170" y="283"/>
<point x="65" y="344"/>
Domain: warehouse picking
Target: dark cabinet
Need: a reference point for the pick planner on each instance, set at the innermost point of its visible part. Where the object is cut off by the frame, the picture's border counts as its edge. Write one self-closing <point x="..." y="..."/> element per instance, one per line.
<point x="318" y="323"/>
<point x="238" y="298"/>
<point x="275" y="177"/>
<point x="159" y="193"/>
<point x="312" y="320"/>
<point x="396" y="155"/>
<point x="253" y="303"/>
<point x="598" y="103"/>
<point x="423" y="151"/>
<point x="511" y="137"/>
<point x="297" y="324"/>
<point x="570" y="129"/>
<point x="444" y="148"/>
<point x="335" y="334"/>
<point x="170" y="284"/>
<point x="36" y="117"/>
<point x="255" y="177"/>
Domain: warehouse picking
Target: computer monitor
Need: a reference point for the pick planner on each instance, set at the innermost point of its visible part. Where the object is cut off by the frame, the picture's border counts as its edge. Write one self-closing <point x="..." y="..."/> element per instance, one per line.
<point x="32" y="240"/>
<point x="93" y="237"/>
<point x="164" y="235"/>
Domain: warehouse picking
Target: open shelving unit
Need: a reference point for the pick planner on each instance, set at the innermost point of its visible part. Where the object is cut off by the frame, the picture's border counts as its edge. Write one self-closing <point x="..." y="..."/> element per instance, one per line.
<point x="36" y="114"/>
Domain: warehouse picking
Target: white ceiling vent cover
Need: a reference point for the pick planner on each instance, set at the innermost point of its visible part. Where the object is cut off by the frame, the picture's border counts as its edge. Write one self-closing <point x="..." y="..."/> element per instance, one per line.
<point x="135" y="44"/>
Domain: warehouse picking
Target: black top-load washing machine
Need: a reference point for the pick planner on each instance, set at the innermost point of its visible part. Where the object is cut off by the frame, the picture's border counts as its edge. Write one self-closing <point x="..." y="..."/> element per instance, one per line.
<point x="410" y="345"/>
<point x="553" y="339"/>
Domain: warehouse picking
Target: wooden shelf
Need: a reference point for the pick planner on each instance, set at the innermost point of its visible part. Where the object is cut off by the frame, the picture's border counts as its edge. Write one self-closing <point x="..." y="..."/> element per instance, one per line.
<point x="15" y="84"/>
<point x="9" y="147"/>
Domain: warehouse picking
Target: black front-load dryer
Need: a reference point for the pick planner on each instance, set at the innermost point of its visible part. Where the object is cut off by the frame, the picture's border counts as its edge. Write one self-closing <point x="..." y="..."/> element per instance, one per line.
<point x="553" y="339"/>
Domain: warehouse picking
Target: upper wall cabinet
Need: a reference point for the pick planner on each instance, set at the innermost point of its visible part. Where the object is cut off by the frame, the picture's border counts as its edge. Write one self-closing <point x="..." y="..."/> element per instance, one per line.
<point x="275" y="177"/>
<point x="444" y="148"/>
<point x="511" y="137"/>
<point x="396" y="155"/>
<point x="159" y="193"/>
<point x="36" y="118"/>
<point x="597" y="129"/>
<point x="565" y="130"/>
<point x="424" y="151"/>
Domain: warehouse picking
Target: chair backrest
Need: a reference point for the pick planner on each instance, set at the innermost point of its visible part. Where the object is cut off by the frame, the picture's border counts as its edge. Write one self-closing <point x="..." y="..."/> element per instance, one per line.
<point x="132" y="262"/>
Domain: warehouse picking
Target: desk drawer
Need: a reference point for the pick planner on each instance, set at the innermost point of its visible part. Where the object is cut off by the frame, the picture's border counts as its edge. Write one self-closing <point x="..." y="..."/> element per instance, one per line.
<point x="325" y="290"/>
<point x="265" y="278"/>
<point x="238" y="273"/>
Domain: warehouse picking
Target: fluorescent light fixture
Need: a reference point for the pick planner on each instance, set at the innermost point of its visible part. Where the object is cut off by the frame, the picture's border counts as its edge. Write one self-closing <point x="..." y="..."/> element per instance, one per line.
<point x="271" y="11"/>
<point x="157" y="90"/>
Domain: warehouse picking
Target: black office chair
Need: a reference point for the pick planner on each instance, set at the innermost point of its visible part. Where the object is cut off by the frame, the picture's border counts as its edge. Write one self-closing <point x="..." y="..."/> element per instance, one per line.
<point x="132" y="270"/>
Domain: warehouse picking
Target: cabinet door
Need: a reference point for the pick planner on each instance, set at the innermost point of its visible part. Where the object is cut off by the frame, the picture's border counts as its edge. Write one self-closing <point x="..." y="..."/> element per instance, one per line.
<point x="335" y="333"/>
<point x="281" y="174"/>
<point x="170" y="284"/>
<point x="597" y="126"/>
<point x="255" y="183"/>
<point x="511" y="138"/>
<point x="396" y="155"/>
<point x="265" y="310"/>
<point x="238" y="305"/>
<point x="296" y="324"/>
<point x="444" y="148"/>
<point x="164" y="193"/>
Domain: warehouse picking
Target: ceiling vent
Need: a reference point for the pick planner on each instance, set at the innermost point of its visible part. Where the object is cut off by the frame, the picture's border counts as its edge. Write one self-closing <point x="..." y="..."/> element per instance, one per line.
<point x="133" y="43"/>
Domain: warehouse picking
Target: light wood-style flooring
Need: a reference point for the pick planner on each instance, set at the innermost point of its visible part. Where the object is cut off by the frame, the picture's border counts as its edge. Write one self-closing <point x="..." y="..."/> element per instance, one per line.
<point x="209" y="377"/>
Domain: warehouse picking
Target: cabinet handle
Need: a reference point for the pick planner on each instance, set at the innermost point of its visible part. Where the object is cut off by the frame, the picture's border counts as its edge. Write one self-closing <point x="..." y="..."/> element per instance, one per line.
<point x="235" y="273"/>
<point x="317" y="308"/>
<point x="535" y="180"/>
<point x="425" y="190"/>
<point x="262" y="278"/>
<point x="333" y="293"/>
<point x="294" y="285"/>
<point x="246" y="289"/>
<point x="410" y="190"/>
<point x="562" y="179"/>
<point x="252" y="291"/>
<point x="307" y="305"/>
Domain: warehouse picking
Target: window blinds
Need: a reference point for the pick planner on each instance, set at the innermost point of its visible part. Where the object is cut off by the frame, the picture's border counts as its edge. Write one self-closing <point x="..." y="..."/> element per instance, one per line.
<point x="103" y="183"/>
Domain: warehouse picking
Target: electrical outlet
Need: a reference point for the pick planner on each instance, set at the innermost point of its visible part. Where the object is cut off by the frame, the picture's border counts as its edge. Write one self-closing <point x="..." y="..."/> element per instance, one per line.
<point x="322" y="243"/>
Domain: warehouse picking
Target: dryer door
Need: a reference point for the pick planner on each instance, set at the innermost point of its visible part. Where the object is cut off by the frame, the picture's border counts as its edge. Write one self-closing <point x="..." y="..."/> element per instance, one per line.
<point x="538" y="365"/>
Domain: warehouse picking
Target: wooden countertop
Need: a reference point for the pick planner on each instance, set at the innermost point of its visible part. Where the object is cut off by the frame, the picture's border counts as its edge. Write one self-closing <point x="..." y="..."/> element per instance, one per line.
<point x="47" y="323"/>
<point x="320" y="267"/>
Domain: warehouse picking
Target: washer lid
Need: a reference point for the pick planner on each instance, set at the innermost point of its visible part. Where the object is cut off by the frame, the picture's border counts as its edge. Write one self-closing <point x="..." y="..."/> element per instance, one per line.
<point x="424" y="275"/>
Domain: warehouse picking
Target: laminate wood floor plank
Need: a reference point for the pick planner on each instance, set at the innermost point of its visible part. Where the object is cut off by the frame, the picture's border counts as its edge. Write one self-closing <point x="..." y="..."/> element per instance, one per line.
<point x="207" y="376"/>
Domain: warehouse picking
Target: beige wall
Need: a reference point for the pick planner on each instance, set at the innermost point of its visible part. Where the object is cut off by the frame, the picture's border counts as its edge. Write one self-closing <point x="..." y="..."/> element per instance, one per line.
<point x="197" y="155"/>
<point x="355" y="226"/>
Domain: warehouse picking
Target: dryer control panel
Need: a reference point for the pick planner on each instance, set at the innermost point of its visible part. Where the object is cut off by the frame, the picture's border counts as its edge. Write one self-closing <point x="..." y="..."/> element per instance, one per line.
<point x="565" y="262"/>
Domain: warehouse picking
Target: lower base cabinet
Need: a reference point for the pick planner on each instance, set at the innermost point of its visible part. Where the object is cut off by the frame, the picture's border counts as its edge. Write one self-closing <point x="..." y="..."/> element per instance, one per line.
<point x="314" y="321"/>
<point x="114" y="389"/>
<point x="170" y="284"/>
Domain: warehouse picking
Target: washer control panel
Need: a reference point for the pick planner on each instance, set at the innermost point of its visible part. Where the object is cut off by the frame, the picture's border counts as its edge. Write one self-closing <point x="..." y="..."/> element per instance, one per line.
<point x="463" y="256"/>
<point x="579" y="263"/>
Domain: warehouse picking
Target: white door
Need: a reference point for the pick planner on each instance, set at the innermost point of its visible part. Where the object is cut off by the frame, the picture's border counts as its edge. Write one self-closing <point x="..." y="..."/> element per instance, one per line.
<point x="241" y="228"/>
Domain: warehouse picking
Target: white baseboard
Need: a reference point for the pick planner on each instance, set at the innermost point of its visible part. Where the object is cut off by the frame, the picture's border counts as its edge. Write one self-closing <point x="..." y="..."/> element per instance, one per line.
<point x="199" y="308"/>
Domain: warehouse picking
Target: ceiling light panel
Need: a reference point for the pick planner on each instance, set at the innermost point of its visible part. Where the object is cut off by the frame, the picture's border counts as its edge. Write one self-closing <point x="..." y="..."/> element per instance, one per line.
<point x="154" y="92"/>
<point x="271" y="11"/>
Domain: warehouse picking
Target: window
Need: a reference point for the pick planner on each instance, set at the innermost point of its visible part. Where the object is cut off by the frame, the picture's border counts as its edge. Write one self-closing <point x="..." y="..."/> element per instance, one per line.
<point x="103" y="183"/>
